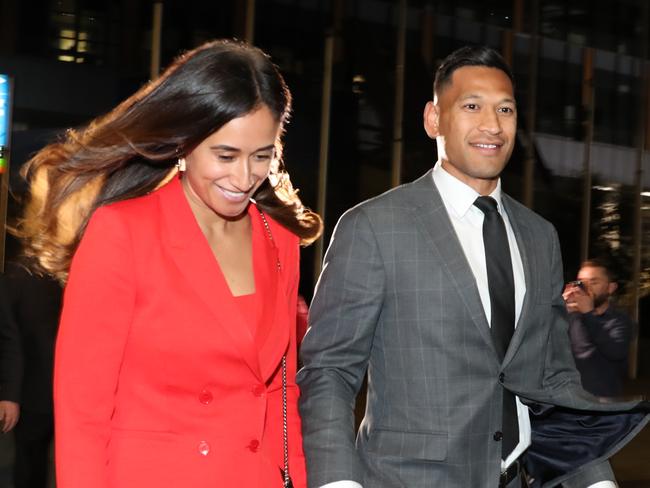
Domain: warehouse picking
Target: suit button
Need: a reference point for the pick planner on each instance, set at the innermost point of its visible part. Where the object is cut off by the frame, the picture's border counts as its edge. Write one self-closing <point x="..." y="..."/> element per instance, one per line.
<point x="498" y="435"/>
<point x="205" y="397"/>
<point x="204" y="448"/>
<point x="502" y="378"/>
<point x="259" y="390"/>
<point x="254" y="445"/>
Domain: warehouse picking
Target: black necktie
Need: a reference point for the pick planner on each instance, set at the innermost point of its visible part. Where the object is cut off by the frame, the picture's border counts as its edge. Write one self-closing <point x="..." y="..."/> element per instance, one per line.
<point x="502" y="303"/>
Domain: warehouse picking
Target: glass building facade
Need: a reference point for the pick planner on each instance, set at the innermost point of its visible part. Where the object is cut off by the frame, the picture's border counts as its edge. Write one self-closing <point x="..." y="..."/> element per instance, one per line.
<point x="581" y="75"/>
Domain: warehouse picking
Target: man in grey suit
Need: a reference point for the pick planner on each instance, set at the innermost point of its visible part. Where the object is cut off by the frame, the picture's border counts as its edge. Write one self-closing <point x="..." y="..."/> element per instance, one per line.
<point x="467" y="358"/>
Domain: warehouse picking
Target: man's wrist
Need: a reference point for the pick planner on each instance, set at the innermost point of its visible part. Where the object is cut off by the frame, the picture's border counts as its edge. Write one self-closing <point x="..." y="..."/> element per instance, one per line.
<point x="344" y="484"/>
<point x="603" y="484"/>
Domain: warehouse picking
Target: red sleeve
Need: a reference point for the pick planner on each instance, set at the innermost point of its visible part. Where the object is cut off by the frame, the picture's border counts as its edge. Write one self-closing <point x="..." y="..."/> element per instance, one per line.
<point x="302" y="313"/>
<point x="97" y="310"/>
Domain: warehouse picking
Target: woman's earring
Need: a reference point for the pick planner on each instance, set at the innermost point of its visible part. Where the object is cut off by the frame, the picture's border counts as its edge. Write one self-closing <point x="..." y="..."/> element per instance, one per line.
<point x="180" y="164"/>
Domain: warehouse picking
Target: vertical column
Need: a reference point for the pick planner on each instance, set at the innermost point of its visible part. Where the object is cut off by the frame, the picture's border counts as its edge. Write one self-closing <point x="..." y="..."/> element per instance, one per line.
<point x="156" y="34"/>
<point x="529" y="163"/>
<point x="508" y="35"/>
<point x="249" y="27"/>
<point x="326" y="103"/>
<point x="637" y="234"/>
<point x="329" y="53"/>
<point x="588" y="125"/>
<point x="398" y="112"/>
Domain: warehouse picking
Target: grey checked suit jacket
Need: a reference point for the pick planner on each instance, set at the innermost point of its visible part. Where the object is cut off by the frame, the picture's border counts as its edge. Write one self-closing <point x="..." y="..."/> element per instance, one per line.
<point x="398" y="299"/>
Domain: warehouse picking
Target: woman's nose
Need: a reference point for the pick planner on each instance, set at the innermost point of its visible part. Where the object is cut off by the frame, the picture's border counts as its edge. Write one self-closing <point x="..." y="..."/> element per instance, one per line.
<point x="241" y="175"/>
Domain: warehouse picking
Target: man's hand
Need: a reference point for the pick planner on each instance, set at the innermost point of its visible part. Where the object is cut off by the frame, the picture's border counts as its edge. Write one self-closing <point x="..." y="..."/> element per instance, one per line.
<point x="577" y="299"/>
<point x="9" y="415"/>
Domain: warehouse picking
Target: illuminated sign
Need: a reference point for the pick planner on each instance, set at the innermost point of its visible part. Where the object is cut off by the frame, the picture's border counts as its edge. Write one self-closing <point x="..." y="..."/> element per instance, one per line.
<point x="4" y="110"/>
<point x="5" y="93"/>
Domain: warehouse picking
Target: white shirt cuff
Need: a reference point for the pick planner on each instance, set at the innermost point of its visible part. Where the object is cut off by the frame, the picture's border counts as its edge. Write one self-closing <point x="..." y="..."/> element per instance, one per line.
<point x="348" y="484"/>
<point x="354" y="484"/>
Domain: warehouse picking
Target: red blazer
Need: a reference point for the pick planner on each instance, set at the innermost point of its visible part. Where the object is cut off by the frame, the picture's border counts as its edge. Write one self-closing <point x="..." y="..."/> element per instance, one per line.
<point x="157" y="380"/>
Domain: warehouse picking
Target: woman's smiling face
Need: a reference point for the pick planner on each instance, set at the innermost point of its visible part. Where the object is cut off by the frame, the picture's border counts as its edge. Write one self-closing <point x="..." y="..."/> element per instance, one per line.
<point x="227" y="167"/>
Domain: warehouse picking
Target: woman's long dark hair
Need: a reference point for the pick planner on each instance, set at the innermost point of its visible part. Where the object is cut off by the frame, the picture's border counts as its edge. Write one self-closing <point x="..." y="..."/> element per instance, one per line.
<point x="133" y="149"/>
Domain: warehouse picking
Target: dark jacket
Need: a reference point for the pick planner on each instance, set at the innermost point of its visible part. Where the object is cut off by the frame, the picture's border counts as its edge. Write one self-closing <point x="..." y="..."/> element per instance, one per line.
<point x="600" y="345"/>
<point x="29" y="315"/>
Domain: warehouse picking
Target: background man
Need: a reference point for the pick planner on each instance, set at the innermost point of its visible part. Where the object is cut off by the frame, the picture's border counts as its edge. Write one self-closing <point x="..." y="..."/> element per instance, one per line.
<point x="600" y="334"/>
<point x="448" y="293"/>
<point x="29" y="316"/>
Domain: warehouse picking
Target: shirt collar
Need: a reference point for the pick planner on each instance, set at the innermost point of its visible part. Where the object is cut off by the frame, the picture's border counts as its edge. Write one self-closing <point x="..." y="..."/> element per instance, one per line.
<point x="459" y="196"/>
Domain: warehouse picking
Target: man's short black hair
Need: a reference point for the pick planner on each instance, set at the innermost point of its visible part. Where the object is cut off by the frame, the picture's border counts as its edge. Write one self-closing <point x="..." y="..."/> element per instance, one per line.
<point x="600" y="263"/>
<point x="469" y="56"/>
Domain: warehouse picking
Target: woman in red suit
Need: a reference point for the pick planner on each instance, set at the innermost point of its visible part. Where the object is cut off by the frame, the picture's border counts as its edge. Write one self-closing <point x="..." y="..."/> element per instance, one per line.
<point x="180" y="304"/>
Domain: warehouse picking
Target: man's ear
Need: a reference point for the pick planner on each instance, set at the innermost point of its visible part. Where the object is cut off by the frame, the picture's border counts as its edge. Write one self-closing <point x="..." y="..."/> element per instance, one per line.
<point x="431" y="120"/>
<point x="612" y="287"/>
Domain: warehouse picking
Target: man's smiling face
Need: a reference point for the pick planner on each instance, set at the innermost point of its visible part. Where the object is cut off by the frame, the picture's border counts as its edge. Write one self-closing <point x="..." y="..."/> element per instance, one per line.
<point x="474" y="120"/>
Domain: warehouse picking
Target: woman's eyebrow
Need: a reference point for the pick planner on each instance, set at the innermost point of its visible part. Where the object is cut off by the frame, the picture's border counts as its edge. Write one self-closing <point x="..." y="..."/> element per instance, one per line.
<point x="225" y="147"/>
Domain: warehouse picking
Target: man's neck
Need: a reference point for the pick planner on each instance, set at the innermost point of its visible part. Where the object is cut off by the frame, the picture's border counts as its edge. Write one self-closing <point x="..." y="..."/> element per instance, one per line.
<point x="482" y="186"/>
<point x="601" y="309"/>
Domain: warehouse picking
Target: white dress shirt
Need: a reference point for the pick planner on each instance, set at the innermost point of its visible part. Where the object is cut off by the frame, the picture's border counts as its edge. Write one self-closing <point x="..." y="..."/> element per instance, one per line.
<point x="467" y="221"/>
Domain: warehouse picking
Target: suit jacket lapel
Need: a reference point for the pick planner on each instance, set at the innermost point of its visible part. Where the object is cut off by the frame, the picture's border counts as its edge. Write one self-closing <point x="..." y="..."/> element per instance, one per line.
<point x="436" y="225"/>
<point x="190" y="251"/>
<point x="525" y="243"/>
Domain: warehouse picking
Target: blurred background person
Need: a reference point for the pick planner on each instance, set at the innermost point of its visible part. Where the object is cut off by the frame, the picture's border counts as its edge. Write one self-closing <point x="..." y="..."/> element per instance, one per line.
<point x="29" y="315"/>
<point x="11" y="364"/>
<point x="600" y="333"/>
<point x="176" y="355"/>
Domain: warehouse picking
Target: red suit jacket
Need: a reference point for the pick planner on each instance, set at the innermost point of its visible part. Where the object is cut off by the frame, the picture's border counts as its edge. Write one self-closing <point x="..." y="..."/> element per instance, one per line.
<point x="158" y="382"/>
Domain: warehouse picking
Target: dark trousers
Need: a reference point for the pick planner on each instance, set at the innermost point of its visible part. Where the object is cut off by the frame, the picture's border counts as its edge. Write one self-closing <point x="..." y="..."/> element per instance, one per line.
<point x="33" y="435"/>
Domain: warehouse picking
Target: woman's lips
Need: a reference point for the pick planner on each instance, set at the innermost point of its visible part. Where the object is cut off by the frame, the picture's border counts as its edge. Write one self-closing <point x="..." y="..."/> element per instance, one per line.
<point x="233" y="196"/>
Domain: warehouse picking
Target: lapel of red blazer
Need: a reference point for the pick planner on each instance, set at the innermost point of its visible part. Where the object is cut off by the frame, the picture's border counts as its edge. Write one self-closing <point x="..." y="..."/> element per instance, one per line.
<point x="275" y="339"/>
<point x="190" y="251"/>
